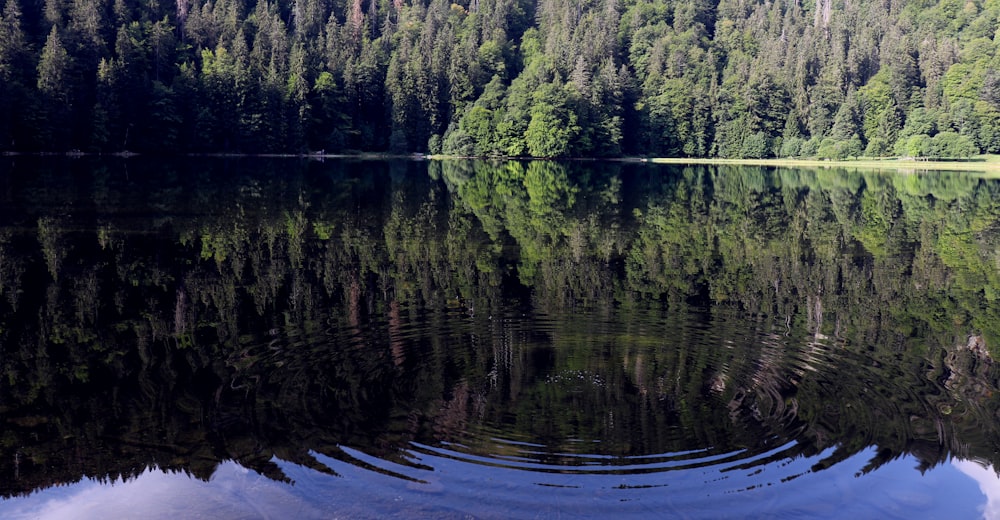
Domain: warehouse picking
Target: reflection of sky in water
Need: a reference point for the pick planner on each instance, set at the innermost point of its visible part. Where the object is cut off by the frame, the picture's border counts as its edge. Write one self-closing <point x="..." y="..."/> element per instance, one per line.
<point x="989" y="484"/>
<point x="454" y="489"/>
<point x="233" y="492"/>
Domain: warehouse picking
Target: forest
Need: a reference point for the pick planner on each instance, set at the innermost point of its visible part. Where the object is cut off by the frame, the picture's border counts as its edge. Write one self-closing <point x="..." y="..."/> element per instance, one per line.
<point x="545" y="78"/>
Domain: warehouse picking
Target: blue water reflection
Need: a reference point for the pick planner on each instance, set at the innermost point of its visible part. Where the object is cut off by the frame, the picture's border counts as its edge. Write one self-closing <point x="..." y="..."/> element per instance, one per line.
<point x="456" y="489"/>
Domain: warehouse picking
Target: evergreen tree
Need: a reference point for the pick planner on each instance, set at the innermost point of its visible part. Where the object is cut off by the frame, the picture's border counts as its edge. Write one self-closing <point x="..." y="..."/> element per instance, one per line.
<point x="497" y="77"/>
<point x="54" y="102"/>
<point x="14" y="56"/>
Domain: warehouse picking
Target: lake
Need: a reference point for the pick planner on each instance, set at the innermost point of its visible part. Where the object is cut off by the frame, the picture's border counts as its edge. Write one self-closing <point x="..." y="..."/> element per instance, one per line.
<point x="283" y="338"/>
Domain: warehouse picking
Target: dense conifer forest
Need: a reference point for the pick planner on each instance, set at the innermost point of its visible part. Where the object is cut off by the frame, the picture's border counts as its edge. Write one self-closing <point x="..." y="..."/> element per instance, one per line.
<point x="545" y="78"/>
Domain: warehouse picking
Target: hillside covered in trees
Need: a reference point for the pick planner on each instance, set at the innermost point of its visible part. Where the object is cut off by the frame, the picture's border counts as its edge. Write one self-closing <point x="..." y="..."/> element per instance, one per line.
<point x="546" y="78"/>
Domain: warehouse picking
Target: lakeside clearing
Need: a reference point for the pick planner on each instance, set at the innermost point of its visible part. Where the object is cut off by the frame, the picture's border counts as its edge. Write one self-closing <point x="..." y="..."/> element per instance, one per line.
<point x="989" y="165"/>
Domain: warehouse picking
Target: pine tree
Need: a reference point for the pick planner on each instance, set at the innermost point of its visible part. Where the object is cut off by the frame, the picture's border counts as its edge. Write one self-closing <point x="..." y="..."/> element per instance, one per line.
<point x="54" y="103"/>
<point x="13" y="63"/>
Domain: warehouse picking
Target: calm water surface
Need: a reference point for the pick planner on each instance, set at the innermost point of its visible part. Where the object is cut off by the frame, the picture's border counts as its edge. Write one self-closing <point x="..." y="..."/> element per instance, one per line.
<point x="404" y="339"/>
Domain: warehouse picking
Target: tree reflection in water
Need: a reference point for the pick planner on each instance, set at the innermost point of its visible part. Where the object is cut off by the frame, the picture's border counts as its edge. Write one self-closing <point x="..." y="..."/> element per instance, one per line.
<point x="584" y="318"/>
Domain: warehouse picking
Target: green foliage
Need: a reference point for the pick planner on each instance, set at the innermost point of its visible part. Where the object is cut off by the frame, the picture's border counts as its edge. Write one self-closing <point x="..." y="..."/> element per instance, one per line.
<point x="913" y="146"/>
<point x="952" y="145"/>
<point x="840" y="150"/>
<point x="13" y="45"/>
<point x="942" y="145"/>
<point x="791" y="147"/>
<point x="528" y="77"/>
<point x="553" y="127"/>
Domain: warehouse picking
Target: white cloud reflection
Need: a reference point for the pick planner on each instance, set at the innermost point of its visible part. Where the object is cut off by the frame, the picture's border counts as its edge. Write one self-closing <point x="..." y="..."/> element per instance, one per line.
<point x="989" y="484"/>
<point x="233" y="492"/>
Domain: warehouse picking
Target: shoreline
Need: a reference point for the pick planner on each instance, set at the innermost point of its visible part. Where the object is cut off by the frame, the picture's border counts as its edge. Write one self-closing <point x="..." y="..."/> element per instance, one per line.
<point x="73" y="154"/>
<point x="982" y="164"/>
<point x="965" y="165"/>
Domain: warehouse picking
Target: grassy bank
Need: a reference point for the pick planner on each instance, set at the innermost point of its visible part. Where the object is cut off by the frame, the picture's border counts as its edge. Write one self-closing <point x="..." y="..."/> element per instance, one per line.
<point x="985" y="164"/>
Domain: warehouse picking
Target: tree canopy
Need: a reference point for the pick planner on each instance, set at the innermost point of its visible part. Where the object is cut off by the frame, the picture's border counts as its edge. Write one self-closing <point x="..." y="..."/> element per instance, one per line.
<point x="543" y="78"/>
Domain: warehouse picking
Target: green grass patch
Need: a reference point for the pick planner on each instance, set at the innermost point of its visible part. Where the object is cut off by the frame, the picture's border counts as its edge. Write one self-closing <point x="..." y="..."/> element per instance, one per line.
<point x="987" y="165"/>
